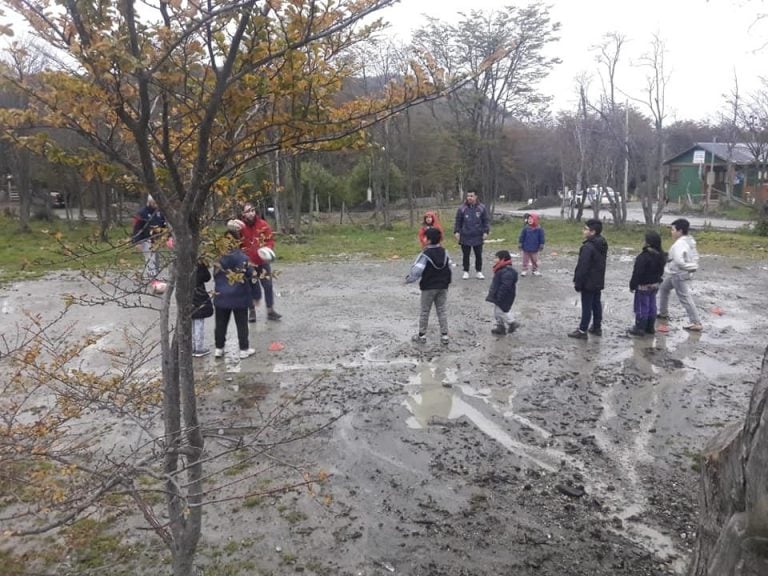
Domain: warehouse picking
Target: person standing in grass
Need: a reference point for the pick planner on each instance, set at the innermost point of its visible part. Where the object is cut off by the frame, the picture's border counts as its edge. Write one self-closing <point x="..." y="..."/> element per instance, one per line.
<point x="646" y="279"/>
<point x="589" y="279"/>
<point x="471" y="228"/>
<point x="433" y="271"/>
<point x="430" y="221"/>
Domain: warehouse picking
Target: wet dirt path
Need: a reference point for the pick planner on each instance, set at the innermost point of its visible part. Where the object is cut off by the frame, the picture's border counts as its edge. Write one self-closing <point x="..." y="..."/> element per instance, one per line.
<point x="526" y="454"/>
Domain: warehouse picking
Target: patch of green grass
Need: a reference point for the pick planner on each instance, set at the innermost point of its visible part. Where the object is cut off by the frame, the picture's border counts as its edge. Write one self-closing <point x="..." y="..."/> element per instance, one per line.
<point x="335" y="242"/>
<point x="239" y="466"/>
<point x="253" y="501"/>
<point x="52" y="245"/>
<point x="94" y="546"/>
<point x="10" y="564"/>
<point x="294" y="517"/>
<point x="58" y="245"/>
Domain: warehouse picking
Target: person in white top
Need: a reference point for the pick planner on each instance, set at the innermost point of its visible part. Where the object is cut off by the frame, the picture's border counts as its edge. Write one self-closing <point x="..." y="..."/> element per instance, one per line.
<point x="682" y="262"/>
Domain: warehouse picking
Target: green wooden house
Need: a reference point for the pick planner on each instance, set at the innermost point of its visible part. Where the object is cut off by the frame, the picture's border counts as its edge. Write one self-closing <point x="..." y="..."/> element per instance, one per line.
<point x="687" y="173"/>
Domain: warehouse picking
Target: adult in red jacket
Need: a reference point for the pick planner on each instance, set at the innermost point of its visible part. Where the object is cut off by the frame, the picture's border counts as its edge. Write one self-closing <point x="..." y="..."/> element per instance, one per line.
<point x="256" y="234"/>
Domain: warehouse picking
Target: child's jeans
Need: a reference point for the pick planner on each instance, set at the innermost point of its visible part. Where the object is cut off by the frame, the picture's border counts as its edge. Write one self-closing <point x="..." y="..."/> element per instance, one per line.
<point x="440" y="299"/>
<point x="531" y="258"/>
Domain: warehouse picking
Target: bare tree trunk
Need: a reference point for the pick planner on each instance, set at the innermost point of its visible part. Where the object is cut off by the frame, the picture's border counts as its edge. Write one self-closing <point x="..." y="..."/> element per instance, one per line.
<point x="733" y="496"/>
<point x="298" y="194"/>
<point x="102" y="205"/>
<point x="20" y="170"/>
<point x="183" y="437"/>
<point x="409" y="169"/>
<point x="275" y="164"/>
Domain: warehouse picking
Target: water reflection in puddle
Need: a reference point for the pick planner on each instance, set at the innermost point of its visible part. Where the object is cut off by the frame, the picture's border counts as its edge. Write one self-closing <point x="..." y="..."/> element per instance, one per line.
<point x="436" y="398"/>
<point x="433" y="399"/>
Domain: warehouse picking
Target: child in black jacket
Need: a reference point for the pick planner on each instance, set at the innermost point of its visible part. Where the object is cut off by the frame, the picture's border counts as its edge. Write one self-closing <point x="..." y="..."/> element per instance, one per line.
<point x="646" y="278"/>
<point x="433" y="270"/>
<point x="502" y="293"/>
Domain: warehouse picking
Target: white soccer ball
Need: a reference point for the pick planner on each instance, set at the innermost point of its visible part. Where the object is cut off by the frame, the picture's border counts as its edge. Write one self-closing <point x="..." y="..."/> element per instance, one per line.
<point x="266" y="254"/>
<point x="235" y="225"/>
<point x="159" y="287"/>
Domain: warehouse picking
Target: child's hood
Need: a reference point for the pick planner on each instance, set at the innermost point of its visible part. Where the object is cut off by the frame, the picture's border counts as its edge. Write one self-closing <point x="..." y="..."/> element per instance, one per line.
<point x="533" y="220"/>
<point x="435" y="219"/>
<point x="438" y="256"/>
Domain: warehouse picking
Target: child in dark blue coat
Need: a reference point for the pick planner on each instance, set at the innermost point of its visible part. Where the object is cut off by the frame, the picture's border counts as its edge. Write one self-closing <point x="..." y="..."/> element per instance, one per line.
<point x="233" y="279"/>
<point x="502" y="293"/>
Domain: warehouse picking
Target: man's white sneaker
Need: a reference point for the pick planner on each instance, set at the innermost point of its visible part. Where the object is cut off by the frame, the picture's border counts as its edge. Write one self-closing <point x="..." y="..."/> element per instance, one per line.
<point x="465" y="276"/>
<point x="524" y="273"/>
<point x="218" y="353"/>
<point x="479" y="276"/>
<point x="247" y="353"/>
<point x="536" y="273"/>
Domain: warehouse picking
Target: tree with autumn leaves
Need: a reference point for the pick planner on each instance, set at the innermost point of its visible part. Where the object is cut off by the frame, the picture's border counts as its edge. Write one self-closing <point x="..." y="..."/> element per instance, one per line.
<point x="177" y="99"/>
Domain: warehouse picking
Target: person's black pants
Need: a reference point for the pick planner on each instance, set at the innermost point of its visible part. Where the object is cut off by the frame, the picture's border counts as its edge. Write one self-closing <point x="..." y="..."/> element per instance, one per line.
<point x="222" y="322"/>
<point x="591" y="309"/>
<point x="465" y="252"/>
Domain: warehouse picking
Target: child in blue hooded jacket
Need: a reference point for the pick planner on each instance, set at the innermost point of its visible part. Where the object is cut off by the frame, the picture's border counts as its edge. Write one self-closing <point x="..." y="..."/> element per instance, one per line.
<point x="531" y="242"/>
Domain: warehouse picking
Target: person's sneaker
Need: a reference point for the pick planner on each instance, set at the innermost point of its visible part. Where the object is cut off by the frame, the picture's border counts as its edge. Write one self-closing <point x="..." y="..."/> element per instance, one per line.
<point x="635" y="331"/>
<point x="595" y="331"/>
<point x="272" y="315"/>
<point x="247" y="353"/>
<point x="201" y="353"/>
<point x="693" y="327"/>
<point x="500" y="330"/>
<point x="512" y="327"/>
<point x="444" y="339"/>
<point x="465" y="276"/>
<point x="479" y="276"/>
<point x="218" y="353"/>
<point x="662" y="316"/>
<point x="251" y="315"/>
<point x="420" y="338"/>
<point x="524" y="273"/>
<point x="578" y="334"/>
<point x="536" y="273"/>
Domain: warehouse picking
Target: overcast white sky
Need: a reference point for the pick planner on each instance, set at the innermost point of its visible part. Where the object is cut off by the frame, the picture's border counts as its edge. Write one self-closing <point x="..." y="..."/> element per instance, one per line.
<point x="705" y="40"/>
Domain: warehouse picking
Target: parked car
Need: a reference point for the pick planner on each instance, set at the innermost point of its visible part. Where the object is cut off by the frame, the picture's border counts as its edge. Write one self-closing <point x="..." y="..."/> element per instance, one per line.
<point x="607" y="196"/>
<point x="57" y="200"/>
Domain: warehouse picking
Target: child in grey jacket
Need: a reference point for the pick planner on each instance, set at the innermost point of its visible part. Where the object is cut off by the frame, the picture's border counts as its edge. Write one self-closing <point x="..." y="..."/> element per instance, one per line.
<point x="432" y="269"/>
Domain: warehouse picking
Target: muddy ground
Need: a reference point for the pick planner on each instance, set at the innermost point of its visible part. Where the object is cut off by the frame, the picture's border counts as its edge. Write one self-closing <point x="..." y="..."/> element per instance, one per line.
<point x="530" y="454"/>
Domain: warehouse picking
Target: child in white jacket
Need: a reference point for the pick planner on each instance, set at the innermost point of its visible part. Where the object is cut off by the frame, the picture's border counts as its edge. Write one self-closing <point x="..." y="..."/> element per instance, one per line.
<point x="682" y="262"/>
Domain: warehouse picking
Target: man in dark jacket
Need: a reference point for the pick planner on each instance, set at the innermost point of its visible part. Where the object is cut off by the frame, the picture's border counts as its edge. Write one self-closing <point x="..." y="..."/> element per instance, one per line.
<point x="471" y="228"/>
<point x="433" y="270"/>
<point x="148" y="226"/>
<point x="502" y="293"/>
<point x="589" y="279"/>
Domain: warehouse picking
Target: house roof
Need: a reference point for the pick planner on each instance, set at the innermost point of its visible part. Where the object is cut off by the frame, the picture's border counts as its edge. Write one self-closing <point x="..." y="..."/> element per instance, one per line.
<point x="741" y="153"/>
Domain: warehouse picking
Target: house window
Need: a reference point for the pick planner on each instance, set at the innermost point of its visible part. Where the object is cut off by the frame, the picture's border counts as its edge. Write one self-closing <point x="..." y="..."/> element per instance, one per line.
<point x="674" y="175"/>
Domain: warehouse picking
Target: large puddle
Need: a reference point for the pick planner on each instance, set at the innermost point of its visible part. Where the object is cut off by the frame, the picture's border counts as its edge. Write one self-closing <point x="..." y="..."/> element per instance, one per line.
<point x="435" y="398"/>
